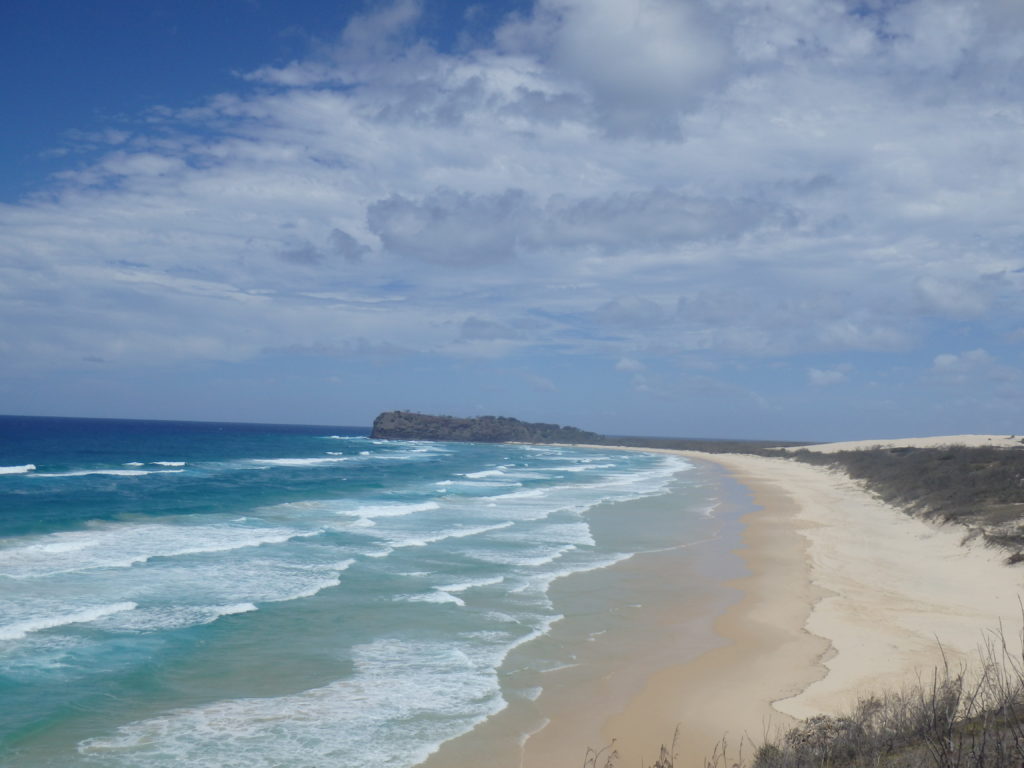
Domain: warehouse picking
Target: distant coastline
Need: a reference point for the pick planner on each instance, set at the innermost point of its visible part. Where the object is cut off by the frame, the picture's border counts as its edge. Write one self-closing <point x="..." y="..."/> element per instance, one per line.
<point x="406" y="425"/>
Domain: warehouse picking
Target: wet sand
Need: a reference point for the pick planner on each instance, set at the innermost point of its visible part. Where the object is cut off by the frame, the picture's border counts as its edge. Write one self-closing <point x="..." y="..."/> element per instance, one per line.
<point x="726" y="695"/>
<point x="623" y="625"/>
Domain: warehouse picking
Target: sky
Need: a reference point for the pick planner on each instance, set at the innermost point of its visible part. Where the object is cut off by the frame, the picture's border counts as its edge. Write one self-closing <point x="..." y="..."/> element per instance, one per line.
<point x="797" y="219"/>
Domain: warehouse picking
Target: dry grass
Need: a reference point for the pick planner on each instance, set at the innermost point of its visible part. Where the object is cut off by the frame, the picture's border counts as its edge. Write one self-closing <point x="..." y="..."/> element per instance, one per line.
<point x="956" y="718"/>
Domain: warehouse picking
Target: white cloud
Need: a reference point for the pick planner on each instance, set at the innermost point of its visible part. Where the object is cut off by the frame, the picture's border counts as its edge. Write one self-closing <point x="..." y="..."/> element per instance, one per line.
<point x="540" y="383"/>
<point x="641" y="61"/>
<point x="965" y="362"/>
<point x="952" y="296"/>
<point x="450" y="227"/>
<point x="826" y="377"/>
<point x="979" y="371"/>
<point x="751" y="181"/>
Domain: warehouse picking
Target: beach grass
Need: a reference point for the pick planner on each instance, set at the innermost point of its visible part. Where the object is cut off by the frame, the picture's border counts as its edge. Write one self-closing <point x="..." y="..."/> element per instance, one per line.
<point x="954" y="718"/>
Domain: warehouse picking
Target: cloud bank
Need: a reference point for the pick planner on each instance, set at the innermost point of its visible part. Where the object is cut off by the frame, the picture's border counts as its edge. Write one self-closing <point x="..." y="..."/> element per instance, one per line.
<point x="643" y="185"/>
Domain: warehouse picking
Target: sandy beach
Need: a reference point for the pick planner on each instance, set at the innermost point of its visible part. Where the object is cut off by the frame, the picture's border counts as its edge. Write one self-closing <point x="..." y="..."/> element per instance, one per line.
<point x="845" y="596"/>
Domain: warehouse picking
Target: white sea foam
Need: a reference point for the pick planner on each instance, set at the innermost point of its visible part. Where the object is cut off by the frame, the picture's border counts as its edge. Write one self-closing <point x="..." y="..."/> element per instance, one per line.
<point x="115" y="472"/>
<point x="311" y="590"/>
<point x="434" y="690"/>
<point x="170" y="463"/>
<point x="404" y="456"/>
<point x="535" y="559"/>
<point x="166" y="617"/>
<point x="134" y="464"/>
<point x="485" y="473"/>
<point x="471" y="486"/>
<point x="709" y="511"/>
<point x="374" y="511"/>
<point x="577" y="467"/>
<point x="231" y="610"/>
<point x="19" y="469"/>
<point x="401" y="539"/>
<point x="191" y="595"/>
<point x="122" y="545"/>
<point x="540" y="582"/>
<point x="20" y="629"/>
<point x="472" y="584"/>
<point x="530" y="493"/>
<point x="437" y="596"/>
<point x="319" y="461"/>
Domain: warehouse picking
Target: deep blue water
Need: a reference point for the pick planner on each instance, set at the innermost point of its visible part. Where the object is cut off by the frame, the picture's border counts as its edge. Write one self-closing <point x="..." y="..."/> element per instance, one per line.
<point x="180" y="593"/>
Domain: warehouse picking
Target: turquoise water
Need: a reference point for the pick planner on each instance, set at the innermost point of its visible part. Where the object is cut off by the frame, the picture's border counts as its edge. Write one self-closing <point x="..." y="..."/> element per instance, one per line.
<point x="251" y="595"/>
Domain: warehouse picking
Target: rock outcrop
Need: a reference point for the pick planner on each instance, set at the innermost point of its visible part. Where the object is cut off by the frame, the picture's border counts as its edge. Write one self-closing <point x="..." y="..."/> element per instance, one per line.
<point x="403" y="425"/>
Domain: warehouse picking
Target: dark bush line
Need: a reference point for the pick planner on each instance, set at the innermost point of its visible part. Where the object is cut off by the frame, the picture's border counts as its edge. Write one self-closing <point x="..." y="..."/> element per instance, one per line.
<point x="406" y="425"/>
<point x="706" y="445"/>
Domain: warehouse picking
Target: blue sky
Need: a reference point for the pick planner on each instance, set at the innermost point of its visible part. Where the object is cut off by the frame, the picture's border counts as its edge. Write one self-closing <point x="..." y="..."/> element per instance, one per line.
<point x="728" y="218"/>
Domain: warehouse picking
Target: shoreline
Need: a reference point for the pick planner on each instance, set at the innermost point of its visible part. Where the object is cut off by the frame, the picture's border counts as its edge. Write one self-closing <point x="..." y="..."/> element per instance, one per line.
<point x="879" y="592"/>
<point x="767" y="654"/>
<point x="838" y="597"/>
<point x="621" y="625"/>
<point x="845" y="597"/>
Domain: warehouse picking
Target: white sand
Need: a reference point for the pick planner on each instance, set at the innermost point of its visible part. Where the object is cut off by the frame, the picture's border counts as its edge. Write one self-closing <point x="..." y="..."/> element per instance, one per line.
<point x="973" y="441"/>
<point x="896" y="586"/>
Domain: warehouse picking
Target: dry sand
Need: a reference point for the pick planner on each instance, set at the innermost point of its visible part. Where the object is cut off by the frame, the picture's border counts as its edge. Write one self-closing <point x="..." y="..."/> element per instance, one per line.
<point x="971" y="441"/>
<point x="846" y="596"/>
<point x="893" y="586"/>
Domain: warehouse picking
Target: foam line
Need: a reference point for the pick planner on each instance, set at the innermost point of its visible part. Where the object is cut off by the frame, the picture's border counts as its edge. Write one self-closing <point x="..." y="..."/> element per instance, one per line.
<point x="18" y="469"/>
<point x="20" y="629"/>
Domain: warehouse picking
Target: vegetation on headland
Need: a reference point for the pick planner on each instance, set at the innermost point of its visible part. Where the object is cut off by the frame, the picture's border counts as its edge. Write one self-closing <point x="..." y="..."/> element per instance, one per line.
<point x="406" y="425"/>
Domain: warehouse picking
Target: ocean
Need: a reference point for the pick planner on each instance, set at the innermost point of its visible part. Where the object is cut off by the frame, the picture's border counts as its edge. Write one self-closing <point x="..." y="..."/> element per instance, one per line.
<point x="182" y="593"/>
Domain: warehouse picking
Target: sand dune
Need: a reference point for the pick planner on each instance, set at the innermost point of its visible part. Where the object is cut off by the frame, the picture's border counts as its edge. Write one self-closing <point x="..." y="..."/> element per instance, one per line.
<point x="970" y="441"/>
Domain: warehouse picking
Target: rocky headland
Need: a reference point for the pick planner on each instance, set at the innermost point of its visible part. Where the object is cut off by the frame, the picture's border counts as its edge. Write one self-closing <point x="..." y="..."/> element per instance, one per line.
<point x="405" y="425"/>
